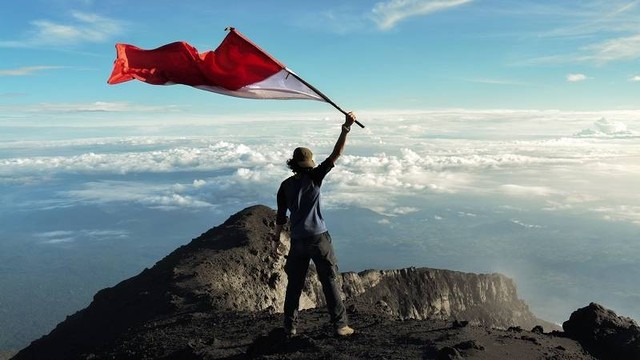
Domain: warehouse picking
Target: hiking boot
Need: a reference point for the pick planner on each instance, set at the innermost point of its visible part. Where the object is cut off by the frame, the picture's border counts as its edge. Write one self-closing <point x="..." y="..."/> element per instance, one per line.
<point x="289" y="331"/>
<point x="344" y="331"/>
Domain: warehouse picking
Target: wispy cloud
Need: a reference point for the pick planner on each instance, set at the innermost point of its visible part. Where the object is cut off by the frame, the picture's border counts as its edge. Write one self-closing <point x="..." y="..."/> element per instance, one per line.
<point x="342" y="20"/>
<point x="527" y="190"/>
<point x="12" y="95"/>
<point x="26" y="70"/>
<point x="622" y="48"/>
<point x="576" y="77"/>
<point x="603" y="32"/>
<point x="67" y="236"/>
<point x="612" y="50"/>
<point x="589" y="18"/>
<point x="388" y="14"/>
<point x="80" y="28"/>
<point x="635" y="78"/>
<point x="497" y="81"/>
<point x="164" y="197"/>
<point x="100" y="106"/>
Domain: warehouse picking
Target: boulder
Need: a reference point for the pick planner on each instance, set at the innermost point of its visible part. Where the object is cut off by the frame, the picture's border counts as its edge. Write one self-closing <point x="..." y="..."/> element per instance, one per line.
<point x="603" y="333"/>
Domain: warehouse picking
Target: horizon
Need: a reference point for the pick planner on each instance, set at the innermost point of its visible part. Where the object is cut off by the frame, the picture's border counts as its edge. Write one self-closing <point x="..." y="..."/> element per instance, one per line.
<point x="500" y="136"/>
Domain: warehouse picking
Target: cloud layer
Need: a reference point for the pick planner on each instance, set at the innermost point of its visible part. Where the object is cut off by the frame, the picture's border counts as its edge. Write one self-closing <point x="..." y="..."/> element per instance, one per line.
<point x="478" y="154"/>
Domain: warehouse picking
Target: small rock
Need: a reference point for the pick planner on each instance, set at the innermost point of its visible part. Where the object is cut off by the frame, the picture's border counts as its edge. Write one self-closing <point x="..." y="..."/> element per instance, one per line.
<point x="384" y="307"/>
<point x="274" y="280"/>
<point x="515" y="329"/>
<point x="448" y="353"/>
<point x="530" y="338"/>
<point x="468" y="345"/>
<point x="352" y="309"/>
<point x="537" y="329"/>
<point x="460" y="324"/>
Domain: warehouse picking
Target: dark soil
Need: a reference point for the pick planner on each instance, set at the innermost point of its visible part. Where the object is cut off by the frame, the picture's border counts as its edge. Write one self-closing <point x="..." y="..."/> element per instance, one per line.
<point x="259" y="336"/>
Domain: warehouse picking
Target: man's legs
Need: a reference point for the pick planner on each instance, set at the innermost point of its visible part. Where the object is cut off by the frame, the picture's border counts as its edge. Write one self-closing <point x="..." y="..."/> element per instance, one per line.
<point x="326" y="265"/>
<point x="296" y="268"/>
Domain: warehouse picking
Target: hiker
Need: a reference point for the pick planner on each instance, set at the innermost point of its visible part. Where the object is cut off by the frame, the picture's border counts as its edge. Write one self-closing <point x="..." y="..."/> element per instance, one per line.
<point x="310" y="240"/>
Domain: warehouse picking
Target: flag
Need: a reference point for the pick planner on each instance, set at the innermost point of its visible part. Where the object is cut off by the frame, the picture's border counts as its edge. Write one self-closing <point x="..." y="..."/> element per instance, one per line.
<point x="237" y="68"/>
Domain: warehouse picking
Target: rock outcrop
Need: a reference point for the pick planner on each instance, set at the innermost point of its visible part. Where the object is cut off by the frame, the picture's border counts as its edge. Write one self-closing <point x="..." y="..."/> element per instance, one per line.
<point x="421" y="293"/>
<point x="232" y="269"/>
<point x="247" y="277"/>
<point x="603" y="333"/>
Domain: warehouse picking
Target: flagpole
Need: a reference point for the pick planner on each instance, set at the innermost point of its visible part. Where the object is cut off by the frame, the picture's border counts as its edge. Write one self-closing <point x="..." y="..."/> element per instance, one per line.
<point x="325" y="97"/>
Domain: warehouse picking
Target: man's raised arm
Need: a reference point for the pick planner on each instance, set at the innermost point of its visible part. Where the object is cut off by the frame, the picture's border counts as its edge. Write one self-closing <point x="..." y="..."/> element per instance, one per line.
<point x="342" y="139"/>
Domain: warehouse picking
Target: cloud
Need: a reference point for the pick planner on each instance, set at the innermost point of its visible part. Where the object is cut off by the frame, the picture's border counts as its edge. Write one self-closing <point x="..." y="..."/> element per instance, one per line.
<point x="576" y="77"/>
<point x="67" y="236"/>
<point x="515" y="155"/>
<point x="340" y="21"/>
<point x="27" y="70"/>
<point x="220" y="156"/>
<point x="603" y="31"/>
<point x="587" y="18"/>
<point x="527" y="191"/>
<point x="635" y="78"/>
<point x="627" y="213"/>
<point x="80" y="28"/>
<point x="12" y="94"/>
<point x="163" y="197"/>
<point x="525" y="225"/>
<point x="100" y="106"/>
<point x="618" y="49"/>
<point x="388" y="14"/>
<point x="91" y="107"/>
<point x="606" y="128"/>
<point x="497" y="82"/>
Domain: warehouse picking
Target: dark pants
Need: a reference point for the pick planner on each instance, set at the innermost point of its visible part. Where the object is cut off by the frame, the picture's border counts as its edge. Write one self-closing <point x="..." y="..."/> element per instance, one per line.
<point x="319" y="249"/>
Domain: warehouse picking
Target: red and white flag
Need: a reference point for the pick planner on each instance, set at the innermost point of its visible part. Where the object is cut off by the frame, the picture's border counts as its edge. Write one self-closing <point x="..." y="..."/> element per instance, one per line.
<point x="236" y="68"/>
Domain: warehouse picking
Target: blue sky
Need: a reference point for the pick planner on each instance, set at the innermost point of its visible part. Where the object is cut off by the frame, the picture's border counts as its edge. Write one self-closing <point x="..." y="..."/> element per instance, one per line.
<point x="569" y="55"/>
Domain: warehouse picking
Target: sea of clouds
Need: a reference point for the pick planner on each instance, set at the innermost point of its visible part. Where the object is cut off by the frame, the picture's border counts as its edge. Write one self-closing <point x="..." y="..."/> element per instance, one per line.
<point x="546" y="197"/>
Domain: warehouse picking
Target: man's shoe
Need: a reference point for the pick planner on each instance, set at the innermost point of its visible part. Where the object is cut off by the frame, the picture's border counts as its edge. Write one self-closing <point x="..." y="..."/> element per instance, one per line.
<point x="290" y="331"/>
<point x="344" y="331"/>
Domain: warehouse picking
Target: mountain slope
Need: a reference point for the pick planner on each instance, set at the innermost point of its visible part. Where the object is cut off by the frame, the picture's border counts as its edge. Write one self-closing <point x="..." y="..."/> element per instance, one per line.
<point x="229" y="275"/>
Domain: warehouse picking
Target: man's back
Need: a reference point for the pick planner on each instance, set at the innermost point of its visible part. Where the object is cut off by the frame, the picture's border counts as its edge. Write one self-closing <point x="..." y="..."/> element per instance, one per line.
<point x="301" y="195"/>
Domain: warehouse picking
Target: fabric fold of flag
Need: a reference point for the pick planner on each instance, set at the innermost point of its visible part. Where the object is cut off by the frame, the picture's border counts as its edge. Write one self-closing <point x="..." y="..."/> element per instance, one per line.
<point x="236" y="68"/>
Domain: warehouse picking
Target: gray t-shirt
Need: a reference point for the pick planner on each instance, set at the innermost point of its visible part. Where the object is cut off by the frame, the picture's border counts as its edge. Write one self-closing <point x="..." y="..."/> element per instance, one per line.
<point x="300" y="194"/>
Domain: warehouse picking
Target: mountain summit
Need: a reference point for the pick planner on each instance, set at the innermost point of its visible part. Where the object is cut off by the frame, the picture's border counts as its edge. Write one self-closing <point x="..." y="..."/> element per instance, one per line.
<point x="220" y="297"/>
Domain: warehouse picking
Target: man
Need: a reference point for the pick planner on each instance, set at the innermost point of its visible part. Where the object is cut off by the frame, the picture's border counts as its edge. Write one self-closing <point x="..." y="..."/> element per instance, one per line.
<point x="310" y="240"/>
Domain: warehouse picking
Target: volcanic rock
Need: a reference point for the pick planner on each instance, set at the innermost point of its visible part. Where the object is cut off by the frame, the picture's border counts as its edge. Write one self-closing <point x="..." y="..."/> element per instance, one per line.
<point x="603" y="333"/>
<point x="220" y="297"/>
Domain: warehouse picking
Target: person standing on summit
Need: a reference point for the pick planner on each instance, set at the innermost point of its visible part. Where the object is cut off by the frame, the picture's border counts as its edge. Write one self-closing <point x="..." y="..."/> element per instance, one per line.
<point x="310" y="239"/>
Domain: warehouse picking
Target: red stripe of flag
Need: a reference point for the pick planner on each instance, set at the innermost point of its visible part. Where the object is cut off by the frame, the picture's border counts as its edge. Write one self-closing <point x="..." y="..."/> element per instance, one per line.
<point x="235" y="63"/>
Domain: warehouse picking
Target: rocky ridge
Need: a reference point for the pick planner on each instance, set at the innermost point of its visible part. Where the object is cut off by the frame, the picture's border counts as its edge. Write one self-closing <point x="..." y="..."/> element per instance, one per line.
<point x="219" y="297"/>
